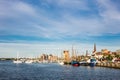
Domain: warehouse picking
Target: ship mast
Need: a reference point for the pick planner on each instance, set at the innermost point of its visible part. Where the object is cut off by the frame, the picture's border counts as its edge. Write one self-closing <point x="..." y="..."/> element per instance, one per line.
<point x="72" y="53"/>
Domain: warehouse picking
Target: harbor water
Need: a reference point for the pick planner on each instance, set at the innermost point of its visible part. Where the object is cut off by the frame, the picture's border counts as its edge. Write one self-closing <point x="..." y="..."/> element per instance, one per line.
<point x="54" y="71"/>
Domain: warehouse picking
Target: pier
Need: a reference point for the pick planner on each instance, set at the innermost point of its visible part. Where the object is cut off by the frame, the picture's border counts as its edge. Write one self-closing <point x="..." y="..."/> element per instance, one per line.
<point x="102" y="64"/>
<point x="109" y="65"/>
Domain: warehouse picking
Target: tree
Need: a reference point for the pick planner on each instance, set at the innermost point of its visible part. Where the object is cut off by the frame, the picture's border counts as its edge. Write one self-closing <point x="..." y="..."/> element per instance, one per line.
<point x="117" y="56"/>
<point x="109" y="57"/>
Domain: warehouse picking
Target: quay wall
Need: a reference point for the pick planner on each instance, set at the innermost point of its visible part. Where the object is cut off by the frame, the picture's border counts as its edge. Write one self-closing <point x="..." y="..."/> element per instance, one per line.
<point x="109" y="65"/>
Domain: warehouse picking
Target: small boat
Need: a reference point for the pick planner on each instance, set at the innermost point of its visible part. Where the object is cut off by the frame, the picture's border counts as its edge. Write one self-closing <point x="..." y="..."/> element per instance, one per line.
<point x="61" y="63"/>
<point x="75" y="63"/>
<point x="29" y="61"/>
<point x="17" y="61"/>
<point x="92" y="62"/>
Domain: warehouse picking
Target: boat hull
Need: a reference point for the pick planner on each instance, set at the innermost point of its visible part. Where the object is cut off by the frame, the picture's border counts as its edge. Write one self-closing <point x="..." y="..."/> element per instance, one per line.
<point x="75" y="63"/>
<point x="92" y="64"/>
<point x="17" y="62"/>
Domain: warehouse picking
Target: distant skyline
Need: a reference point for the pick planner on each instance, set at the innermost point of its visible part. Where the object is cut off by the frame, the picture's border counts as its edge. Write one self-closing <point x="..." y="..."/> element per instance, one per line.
<point x="34" y="26"/>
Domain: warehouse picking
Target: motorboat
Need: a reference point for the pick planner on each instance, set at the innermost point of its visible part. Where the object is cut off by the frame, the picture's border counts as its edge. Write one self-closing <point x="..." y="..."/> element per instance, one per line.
<point x="17" y="61"/>
<point x="75" y="63"/>
<point x="61" y="63"/>
<point x="92" y="62"/>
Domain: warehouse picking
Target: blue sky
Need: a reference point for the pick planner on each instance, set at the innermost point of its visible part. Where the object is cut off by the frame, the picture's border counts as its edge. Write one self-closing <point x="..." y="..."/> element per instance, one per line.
<point x="27" y="25"/>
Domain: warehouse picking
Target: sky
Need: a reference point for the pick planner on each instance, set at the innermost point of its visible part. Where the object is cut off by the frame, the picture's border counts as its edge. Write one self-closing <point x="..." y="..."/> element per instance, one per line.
<point x="34" y="27"/>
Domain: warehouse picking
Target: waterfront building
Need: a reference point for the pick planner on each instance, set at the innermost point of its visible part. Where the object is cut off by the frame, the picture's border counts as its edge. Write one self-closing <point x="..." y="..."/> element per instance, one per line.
<point x="98" y="55"/>
<point x="44" y="57"/>
<point x="50" y="58"/>
<point x="105" y="51"/>
<point x="66" y="56"/>
<point x="113" y="54"/>
<point x="118" y="51"/>
<point x="117" y="60"/>
<point x="55" y="58"/>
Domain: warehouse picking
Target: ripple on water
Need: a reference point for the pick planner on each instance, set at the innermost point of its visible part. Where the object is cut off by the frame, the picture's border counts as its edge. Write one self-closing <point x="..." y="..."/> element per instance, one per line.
<point x="10" y="71"/>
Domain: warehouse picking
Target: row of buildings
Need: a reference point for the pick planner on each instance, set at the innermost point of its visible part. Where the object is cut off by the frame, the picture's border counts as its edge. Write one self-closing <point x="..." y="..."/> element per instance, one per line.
<point x="49" y="58"/>
<point x="103" y="55"/>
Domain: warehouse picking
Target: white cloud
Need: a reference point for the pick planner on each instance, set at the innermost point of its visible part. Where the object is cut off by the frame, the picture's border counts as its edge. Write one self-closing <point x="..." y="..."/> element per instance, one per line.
<point x="39" y="23"/>
<point x="20" y="18"/>
<point x="70" y="4"/>
<point x="109" y="10"/>
<point x="67" y="25"/>
<point x="9" y="9"/>
<point x="24" y="8"/>
<point x="110" y="13"/>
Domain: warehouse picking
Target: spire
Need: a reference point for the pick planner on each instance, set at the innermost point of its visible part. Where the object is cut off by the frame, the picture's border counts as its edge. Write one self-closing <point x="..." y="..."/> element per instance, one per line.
<point x="94" y="48"/>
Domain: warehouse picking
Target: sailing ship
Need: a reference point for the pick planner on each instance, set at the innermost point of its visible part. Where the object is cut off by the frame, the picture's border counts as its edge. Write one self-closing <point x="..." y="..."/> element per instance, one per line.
<point x="17" y="61"/>
<point x="60" y="61"/>
<point x="74" y="62"/>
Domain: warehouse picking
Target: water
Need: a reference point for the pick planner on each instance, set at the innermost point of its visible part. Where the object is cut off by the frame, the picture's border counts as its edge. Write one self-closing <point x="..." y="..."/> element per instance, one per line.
<point x="54" y="71"/>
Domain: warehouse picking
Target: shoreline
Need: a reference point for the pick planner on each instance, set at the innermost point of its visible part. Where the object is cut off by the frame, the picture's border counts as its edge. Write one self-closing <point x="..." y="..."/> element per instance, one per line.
<point x="102" y="64"/>
<point x="106" y="65"/>
<point x="109" y="65"/>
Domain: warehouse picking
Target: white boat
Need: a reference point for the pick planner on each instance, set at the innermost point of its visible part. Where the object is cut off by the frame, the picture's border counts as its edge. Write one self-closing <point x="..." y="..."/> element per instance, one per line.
<point x="17" y="61"/>
<point x="29" y="61"/>
<point x="93" y="62"/>
<point x="61" y="63"/>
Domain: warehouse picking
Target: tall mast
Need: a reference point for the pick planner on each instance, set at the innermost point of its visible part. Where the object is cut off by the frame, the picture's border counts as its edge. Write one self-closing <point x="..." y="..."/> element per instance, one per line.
<point x="17" y="55"/>
<point x="61" y="55"/>
<point x="72" y="53"/>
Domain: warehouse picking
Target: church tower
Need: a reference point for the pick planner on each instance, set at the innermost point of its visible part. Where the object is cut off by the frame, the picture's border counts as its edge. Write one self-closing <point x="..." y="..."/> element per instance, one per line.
<point x="94" y="50"/>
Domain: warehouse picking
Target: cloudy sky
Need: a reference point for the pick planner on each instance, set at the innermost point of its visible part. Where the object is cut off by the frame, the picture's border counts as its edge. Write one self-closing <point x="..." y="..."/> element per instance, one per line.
<point x="33" y="27"/>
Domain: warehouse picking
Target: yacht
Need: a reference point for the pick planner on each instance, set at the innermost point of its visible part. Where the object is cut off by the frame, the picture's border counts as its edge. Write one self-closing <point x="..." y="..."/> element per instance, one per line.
<point x="17" y="61"/>
<point x="92" y="62"/>
<point x="29" y="61"/>
<point x="75" y="63"/>
<point x="61" y="63"/>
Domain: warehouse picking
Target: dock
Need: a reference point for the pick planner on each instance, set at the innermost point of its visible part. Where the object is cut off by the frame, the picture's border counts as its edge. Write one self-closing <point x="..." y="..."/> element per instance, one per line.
<point x="109" y="65"/>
